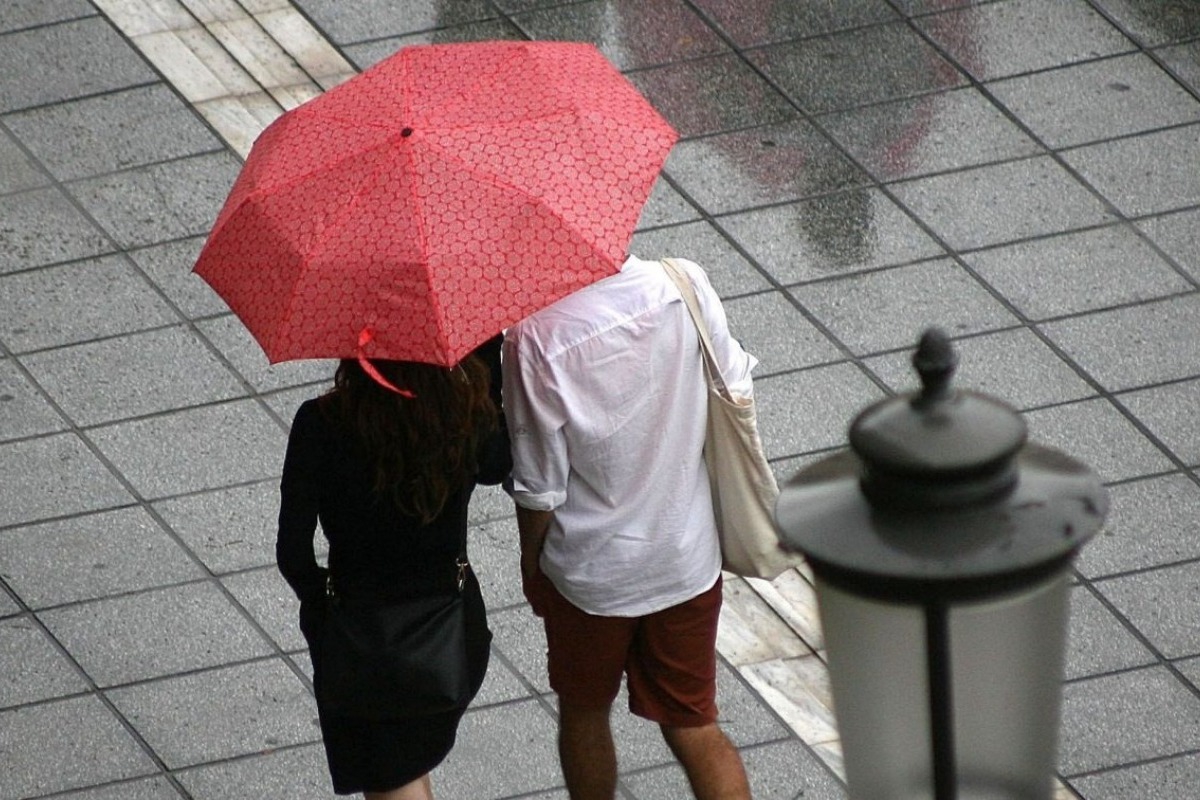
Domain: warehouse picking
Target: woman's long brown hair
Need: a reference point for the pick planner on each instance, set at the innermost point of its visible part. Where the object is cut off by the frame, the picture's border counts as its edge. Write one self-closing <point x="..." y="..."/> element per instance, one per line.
<point x="423" y="448"/>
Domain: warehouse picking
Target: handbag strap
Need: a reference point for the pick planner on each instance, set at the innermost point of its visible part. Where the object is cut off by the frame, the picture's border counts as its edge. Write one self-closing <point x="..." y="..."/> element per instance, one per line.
<point x="711" y="371"/>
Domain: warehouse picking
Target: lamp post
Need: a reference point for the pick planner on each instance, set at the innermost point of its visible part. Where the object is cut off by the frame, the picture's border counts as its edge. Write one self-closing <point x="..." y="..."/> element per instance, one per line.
<point x="941" y="545"/>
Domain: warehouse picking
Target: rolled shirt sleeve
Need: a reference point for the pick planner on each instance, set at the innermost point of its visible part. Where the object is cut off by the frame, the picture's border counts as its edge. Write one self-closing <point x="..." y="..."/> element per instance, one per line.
<point x="535" y="424"/>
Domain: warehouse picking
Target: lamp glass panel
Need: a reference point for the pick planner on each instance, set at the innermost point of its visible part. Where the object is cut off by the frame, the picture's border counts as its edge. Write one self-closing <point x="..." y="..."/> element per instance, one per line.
<point x="1007" y="666"/>
<point x="877" y="667"/>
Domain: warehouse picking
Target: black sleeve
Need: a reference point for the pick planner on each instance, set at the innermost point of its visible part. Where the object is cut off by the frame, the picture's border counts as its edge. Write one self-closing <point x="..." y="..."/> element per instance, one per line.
<point x="298" y="504"/>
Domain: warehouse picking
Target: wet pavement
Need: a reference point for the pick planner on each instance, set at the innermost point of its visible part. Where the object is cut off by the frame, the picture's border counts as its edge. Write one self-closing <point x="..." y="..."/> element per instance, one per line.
<point x="1023" y="173"/>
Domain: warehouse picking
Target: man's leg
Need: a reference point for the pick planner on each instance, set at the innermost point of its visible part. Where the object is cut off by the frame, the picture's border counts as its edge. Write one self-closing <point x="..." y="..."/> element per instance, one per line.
<point x="586" y="657"/>
<point x="585" y="747"/>
<point x="673" y="681"/>
<point x="713" y="765"/>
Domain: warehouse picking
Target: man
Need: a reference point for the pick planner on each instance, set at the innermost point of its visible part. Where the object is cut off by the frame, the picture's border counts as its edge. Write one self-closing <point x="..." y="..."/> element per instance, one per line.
<point x="606" y="402"/>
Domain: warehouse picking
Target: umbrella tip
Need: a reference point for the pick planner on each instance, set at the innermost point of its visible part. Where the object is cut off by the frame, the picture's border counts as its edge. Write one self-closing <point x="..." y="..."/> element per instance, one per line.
<point x="406" y="132"/>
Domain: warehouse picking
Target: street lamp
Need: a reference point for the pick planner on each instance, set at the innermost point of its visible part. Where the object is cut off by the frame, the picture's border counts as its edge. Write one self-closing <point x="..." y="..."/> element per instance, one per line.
<point x="941" y="545"/>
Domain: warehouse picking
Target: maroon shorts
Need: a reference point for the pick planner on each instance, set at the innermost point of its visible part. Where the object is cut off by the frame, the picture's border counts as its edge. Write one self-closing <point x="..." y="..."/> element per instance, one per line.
<point x="669" y="657"/>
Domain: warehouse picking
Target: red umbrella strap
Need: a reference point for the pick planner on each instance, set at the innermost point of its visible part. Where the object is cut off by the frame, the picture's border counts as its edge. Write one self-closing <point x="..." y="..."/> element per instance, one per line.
<point x="364" y="338"/>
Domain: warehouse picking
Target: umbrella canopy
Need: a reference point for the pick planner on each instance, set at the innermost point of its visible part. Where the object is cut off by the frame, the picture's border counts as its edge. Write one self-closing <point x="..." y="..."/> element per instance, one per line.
<point x="435" y="199"/>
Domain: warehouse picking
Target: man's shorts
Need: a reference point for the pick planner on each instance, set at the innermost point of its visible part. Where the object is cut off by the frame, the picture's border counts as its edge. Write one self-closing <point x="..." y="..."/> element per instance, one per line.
<point x="669" y="657"/>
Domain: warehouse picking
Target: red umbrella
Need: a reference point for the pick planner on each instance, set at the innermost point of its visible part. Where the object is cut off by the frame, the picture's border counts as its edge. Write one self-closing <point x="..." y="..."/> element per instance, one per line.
<point x="435" y="199"/>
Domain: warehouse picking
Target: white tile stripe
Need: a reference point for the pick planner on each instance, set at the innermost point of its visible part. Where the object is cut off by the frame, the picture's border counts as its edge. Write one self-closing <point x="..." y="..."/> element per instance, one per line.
<point x="242" y="63"/>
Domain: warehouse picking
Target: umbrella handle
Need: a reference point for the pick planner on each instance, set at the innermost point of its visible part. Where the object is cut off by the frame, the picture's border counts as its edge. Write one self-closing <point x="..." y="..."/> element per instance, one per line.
<point x="364" y="338"/>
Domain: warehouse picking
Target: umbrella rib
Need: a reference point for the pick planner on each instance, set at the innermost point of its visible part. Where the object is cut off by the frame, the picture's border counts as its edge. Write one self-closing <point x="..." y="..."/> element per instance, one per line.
<point x="331" y="228"/>
<point x="410" y="153"/>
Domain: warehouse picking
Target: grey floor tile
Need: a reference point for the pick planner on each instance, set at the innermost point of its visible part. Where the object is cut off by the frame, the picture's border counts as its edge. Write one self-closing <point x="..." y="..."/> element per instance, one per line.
<point x="8" y="606"/>
<point x="1098" y="100"/>
<point x="1098" y="642"/>
<point x="155" y="633"/>
<point x="54" y="476"/>
<point x="812" y="409"/>
<point x="1184" y="61"/>
<point x="227" y="529"/>
<point x="285" y="402"/>
<point x="1131" y="347"/>
<point x="501" y="685"/>
<point x="265" y="594"/>
<point x="91" y="556"/>
<point x="1120" y="719"/>
<point x="771" y="164"/>
<point x="221" y="713"/>
<point x="372" y="51"/>
<point x="75" y="302"/>
<point x="169" y="266"/>
<point x="489" y="504"/>
<point x="891" y="308"/>
<point x="495" y="557"/>
<point x="665" y="207"/>
<point x="742" y="715"/>
<point x="748" y="27"/>
<point x="490" y="736"/>
<point x="1014" y="366"/>
<point x="18" y="171"/>
<point x="1096" y="433"/>
<point x="1150" y="522"/>
<point x="1178" y="234"/>
<point x="780" y="771"/>
<point x="1190" y="669"/>
<point x="375" y="18"/>
<point x="67" y="744"/>
<point x="777" y="334"/>
<point x="1161" y="603"/>
<point x="34" y="669"/>
<point x="1170" y="414"/>
<point x="1173" y="777"/>
<point x="29" y="13"/>
<point x="74" y="59"/>
<point x="935" y="132"/>
<point x="142" y="789"/>
<point x="628" y="32"/>
<point x="295" y="773"/>
<point x="712" y="94"/>
<point x="159" y="202"/>
<point x="519" y="636"/>
<point x="1141" y="174"/>
<point x="1075" y="272"/>
<point x="998" y="39"/>
<point x="1001" y="203"/>
<point x="195" y="449"/>
<point x="234" y="341"/>
<point x="23" y="410"/>
<point x="835" y="234"/>
<point x="856" y="68"/>
<point x="728" y="270"/>
<point x="1152" y="23"/>
<point x="42" y="227"/>
<point x="112" y="132"/>
<point x="133" y="375"/>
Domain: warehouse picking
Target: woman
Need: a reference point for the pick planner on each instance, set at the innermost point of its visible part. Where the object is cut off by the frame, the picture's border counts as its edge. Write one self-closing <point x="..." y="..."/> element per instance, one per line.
<point x="389" y="477"/>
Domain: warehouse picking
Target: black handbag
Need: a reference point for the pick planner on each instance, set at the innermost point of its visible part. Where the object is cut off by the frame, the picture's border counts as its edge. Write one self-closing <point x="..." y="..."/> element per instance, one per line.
<point x="402" y="659"/>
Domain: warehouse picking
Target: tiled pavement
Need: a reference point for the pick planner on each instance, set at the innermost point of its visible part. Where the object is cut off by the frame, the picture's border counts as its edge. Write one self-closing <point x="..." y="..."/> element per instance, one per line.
<point x="1024" y="173"/>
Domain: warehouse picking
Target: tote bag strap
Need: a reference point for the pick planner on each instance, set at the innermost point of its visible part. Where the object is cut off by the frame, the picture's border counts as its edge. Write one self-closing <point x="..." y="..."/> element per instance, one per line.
<point x="693" y="305"/>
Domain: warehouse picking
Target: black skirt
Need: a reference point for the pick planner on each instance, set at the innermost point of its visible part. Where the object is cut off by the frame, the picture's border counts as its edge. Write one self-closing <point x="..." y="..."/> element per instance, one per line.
<point x="381" y="755"/>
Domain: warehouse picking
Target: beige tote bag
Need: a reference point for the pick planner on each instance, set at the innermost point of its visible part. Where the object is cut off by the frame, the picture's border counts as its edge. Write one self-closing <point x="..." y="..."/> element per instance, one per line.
<point x="743" y="486"/>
